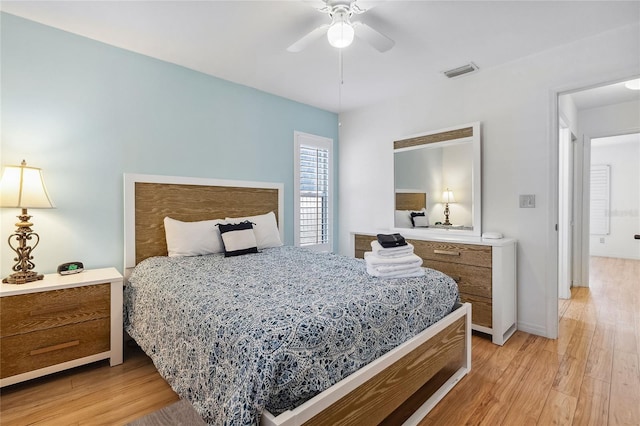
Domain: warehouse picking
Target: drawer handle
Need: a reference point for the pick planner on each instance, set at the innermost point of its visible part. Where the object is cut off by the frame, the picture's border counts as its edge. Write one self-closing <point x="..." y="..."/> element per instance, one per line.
<point x="447" y="252"/>
<point x="54" y="309"/>
<point x="54" y="348"/>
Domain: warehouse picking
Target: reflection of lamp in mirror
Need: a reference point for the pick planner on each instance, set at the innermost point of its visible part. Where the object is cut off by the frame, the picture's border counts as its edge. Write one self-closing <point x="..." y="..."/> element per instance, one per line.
<point x="23" y="187"/>
<point x="447" y="197"/>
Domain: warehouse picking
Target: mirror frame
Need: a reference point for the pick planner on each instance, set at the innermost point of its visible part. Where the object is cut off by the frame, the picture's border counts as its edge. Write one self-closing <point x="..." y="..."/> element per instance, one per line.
<point x="445" y="137"/>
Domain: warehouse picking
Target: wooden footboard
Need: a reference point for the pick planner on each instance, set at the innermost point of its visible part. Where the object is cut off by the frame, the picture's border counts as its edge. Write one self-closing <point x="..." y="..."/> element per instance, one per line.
<point x="400" y="387"/>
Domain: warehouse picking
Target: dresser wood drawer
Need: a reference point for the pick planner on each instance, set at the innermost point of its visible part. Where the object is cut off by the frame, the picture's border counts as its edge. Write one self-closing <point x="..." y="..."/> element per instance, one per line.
<point x="363" y="243"/>
<point x="466" y="254"/>
<point x="26" y="352"/>
<point x="470" y="279"/>
<point x="481" y="309"/>
<point x="39" y="311"/>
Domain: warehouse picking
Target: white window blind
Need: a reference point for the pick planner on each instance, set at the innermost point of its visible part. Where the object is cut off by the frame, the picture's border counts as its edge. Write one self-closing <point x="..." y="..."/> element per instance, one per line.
<point x="599" y="222"/>
<point x="313" y="191"/>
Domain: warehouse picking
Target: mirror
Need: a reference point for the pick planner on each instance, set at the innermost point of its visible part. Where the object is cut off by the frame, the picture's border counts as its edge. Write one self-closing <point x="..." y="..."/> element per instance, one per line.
<point x="437" y="181"/>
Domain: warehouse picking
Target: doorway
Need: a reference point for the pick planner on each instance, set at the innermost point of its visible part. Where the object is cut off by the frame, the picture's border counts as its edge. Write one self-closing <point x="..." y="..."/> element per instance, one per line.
<point x="585" y="115"/>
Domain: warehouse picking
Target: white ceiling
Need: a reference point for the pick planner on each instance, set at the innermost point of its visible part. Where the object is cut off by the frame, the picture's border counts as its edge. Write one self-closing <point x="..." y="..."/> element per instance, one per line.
<point x="604" y="95"/>
<point x="632" y="138"/>
<point x="245" y="41"/>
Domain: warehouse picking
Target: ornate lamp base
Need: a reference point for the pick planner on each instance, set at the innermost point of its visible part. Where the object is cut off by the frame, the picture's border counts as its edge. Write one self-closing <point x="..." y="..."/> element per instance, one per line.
<point x="23" y="277"/>
<point x="24" y="266"/>
<point x="446" y="215"/>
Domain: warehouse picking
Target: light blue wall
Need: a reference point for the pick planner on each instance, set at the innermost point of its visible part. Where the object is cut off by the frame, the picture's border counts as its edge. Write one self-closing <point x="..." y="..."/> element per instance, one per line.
<point x="86" y="113"/>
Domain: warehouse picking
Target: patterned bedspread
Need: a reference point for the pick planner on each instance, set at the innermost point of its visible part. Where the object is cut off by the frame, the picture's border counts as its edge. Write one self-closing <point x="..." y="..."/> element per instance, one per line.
<point x="270" y="330"/>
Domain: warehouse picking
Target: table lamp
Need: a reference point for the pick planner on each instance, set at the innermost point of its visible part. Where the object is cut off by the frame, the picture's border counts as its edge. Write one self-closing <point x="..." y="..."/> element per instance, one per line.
<point x="23" y="187"/>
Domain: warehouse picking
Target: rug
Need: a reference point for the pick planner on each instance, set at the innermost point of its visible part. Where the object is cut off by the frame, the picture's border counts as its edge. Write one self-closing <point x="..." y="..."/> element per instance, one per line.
<point x="178" y="413"/>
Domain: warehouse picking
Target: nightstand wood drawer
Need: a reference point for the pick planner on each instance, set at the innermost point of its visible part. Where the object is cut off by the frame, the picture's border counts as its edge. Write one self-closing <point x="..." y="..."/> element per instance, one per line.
<point x="467" y="254"/>
<point x="470" y="279"/>
<point x="39" y="311"/>
<point x="31" y="351"/>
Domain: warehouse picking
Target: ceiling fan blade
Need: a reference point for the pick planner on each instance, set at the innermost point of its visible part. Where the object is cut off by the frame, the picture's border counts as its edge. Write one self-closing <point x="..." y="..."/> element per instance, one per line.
<point x="305" y="41"/>
<point x="320" y="5"/>
<point x="379" y="41"/>
<point x="366" y="5"/>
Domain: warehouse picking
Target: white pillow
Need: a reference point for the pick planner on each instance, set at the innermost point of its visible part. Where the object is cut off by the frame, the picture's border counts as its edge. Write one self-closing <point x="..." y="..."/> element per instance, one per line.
<point x="238" y="238"/>
<point x="265" y="229"/>
<point x="403" y="219"/>
<point x="421" y="221"/>
<point x="192" y="238"/>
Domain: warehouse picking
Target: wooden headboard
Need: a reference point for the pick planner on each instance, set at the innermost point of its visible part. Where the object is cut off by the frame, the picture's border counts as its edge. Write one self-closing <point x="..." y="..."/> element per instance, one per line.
<point x="411" y="200"/>
<point x="149" y="199"/>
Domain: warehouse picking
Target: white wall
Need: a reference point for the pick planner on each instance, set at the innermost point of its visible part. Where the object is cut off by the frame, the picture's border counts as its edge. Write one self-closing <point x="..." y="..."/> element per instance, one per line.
<point x="622" y="154"/>
<point x="86" y="112"/>
<point x="516" y="104"/>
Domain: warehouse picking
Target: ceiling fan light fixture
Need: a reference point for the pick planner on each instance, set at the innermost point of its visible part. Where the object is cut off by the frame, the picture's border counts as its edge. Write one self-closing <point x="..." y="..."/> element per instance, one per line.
<point x="340" y="33"/>
<point x="633" y="84"/>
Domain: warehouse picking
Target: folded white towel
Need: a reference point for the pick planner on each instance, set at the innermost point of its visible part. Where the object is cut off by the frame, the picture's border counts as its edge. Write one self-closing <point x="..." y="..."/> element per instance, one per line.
<point x="391" y="251"/>
<point x="411" y="273"/>
<point x="394" y="268"/>
<point x="407" y="259"/>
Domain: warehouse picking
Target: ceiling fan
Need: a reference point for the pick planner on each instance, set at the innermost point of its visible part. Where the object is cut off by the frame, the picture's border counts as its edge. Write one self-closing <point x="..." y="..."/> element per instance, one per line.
<point x="341" y="30"/>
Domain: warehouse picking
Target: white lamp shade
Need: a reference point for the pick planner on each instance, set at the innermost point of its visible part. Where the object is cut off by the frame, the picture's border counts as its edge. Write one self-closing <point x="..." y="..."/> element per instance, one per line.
<point x="24" y="187"/>
<point x="447" y="197"/>
<point x="340" y="34"/>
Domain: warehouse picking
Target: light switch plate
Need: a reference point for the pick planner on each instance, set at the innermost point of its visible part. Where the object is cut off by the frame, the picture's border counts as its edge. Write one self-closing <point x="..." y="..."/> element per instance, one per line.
<point x="527" y="201"/>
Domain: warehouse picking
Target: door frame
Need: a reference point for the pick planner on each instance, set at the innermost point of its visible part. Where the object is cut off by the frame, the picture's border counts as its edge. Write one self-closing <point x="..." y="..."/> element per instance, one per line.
<point x="582" y="261"/>
<point x="566" y="215"/>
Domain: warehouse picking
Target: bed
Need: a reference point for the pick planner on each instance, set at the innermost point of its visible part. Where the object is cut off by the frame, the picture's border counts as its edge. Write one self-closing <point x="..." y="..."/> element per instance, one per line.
<point x="173" y="309"/>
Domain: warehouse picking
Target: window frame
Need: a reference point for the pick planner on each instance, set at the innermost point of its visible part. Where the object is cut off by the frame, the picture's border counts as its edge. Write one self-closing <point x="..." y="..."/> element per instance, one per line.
<point x="317" y="142"/>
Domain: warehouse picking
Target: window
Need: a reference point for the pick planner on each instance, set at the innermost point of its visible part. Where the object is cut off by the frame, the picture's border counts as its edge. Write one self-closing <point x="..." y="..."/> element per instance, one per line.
<point x="313" y="191"/>
<point x="600" y="206"/>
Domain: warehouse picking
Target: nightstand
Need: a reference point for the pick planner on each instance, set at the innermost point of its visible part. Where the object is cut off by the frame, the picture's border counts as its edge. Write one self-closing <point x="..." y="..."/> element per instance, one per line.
<point x="60" y="322"/>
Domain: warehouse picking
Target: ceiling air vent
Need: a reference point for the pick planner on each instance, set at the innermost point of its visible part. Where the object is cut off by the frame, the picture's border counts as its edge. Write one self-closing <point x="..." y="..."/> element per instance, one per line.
<point x="465" y="69"/>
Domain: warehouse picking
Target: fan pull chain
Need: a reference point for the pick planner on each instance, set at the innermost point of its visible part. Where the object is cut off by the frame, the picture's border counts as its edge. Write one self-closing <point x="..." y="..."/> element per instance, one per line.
<point x="340" y="83"/>
<point x="340" y="64"/>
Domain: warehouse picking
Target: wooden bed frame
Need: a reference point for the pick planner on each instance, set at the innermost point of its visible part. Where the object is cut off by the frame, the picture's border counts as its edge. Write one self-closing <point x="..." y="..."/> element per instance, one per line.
<point x="400" y="387"/>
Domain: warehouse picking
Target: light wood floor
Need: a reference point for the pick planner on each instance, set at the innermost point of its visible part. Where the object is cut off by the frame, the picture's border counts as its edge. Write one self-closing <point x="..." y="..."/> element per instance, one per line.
<point x="589" y="376"/>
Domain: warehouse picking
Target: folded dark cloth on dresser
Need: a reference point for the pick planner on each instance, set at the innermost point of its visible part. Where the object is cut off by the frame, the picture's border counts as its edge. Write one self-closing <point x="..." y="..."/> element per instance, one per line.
<point x="391" y="252"/>
<point x="391" y="240"/>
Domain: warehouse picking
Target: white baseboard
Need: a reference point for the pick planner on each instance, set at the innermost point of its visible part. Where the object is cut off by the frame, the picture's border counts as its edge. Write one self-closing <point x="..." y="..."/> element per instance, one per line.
<point x="533" y="329"/>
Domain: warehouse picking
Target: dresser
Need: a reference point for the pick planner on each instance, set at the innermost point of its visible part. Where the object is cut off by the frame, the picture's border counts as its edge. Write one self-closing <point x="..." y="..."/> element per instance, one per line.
<point x="60" y="322"/>
<point x="485" y="271"/>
